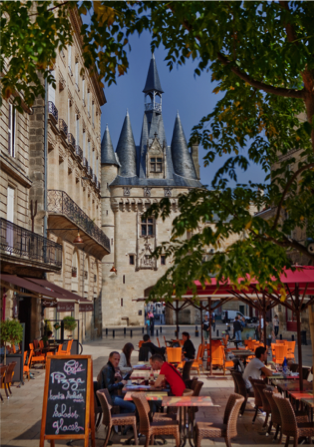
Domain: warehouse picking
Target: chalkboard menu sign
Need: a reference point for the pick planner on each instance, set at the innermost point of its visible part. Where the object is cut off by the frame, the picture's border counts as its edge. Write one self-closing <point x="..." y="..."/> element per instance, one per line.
<point x="68" y="399"/>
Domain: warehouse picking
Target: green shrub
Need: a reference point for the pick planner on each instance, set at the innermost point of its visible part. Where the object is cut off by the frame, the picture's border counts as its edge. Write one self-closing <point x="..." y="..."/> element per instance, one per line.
<point x="10" y="331"/>
<point x="69" y="323"/>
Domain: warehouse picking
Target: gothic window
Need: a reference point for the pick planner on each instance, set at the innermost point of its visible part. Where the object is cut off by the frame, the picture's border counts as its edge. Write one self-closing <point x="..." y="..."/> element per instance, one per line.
<point x="156" y="165"/>
<point x="147" y="228"/>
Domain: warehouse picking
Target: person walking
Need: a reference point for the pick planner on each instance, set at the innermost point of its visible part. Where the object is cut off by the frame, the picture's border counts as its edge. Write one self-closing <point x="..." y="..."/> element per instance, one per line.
<point x="151" y="317"/>
<point x="276" y="325"/>
<point x="205" y="327"/>
<point x="147" y="324"/>
<point x="237" y="331"/>
<point x="213" y="322"/>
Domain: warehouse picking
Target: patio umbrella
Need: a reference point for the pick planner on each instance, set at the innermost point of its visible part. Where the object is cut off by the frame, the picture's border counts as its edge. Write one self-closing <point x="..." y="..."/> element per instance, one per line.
<point x="295" y="286"/>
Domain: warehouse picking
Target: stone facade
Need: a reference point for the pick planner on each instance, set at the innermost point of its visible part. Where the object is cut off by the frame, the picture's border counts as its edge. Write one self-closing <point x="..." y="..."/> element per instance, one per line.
<point x="73" y="180"/>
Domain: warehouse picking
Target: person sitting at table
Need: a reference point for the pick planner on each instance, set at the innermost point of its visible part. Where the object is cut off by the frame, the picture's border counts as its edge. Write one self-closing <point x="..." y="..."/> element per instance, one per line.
<point x="147" y="347"/>
<point x="107" y="380"/>
<point x="256" y="367"/>
<point x="188" y="347"/>
<point x="125" y="357"/>
<point x="168" y="374"/>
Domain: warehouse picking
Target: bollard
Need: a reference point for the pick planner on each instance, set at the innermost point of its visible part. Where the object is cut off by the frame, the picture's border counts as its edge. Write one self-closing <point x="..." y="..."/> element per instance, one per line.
<point x="196" y="331"/>
<point x="125" y="331"/>
<point x="217" y="332"/>
<point x="143" y="330"/>
<point x="292" y="337"/>
<point x="106" y="331"/>
<point x="160" y="330"/>
<point x="157" y="333"/>
<point x="131" y="333"/>
<point x="280" y="337"/>
<point x="113" y="333"/>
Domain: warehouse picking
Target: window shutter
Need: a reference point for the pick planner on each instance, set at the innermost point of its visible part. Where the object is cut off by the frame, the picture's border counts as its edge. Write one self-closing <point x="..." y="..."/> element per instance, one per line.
<point x="10" y="204"/>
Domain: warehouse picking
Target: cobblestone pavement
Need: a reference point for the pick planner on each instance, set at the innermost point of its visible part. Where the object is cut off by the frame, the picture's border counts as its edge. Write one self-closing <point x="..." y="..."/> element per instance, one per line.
<point x="21" y="414"/>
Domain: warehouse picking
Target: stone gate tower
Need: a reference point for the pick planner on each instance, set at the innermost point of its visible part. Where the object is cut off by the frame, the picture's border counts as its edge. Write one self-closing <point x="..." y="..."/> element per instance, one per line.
<point x="134" y="177"/>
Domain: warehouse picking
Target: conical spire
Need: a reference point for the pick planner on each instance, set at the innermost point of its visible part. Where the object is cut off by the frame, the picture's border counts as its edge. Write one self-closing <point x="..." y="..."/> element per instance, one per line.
<point x="126" y="150"/>
<point x="153" y="80"/>
<point x="182" y="161"/>
<point x="107" y="150"/>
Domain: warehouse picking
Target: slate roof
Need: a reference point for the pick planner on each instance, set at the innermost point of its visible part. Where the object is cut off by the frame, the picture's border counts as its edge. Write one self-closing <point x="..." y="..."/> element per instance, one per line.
<point x="107" y="150"/>
<point x="182" y="160"/>
<point x="153" y="79"/>
<point x="126" y="150"/>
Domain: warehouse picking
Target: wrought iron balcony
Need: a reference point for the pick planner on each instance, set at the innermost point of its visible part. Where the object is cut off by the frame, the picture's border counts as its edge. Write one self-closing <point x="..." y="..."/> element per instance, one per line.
<point x="53" y="111"/>
<point x="153" y="106"/>
<point x="71" y="140"/>
<point x="90" y="171"/>
<point x="79" y="152"/>
<point x="27" y="246"/>
<point x="60" y="203"/>
<point x="98" y="185"/>
<point x="85" y="163"/>
<point x="63" y="127"/>
<point x="94" y="178"/>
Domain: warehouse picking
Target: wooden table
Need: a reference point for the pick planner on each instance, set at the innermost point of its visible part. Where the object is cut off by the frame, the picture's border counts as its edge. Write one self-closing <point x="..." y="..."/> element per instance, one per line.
<point x="306" y="399"/>
<point x="186" y="432"/>
<point x="150" y="396"/>
<point x="141" y="388"/>
<point x="287" y="386"/>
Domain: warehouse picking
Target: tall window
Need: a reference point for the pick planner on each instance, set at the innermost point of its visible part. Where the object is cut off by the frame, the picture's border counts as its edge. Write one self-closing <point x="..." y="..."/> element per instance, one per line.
<point x="147" y="227"/>
<point x="77" y="74"/>
<point x="89" y="152"/>
<point x="77" y="130"/>
<point x="51" y="90"/>
<point x="83" y="90"/>
<point x="69" y="115"/>
<point x="88" y="102"/>
<point x="155" y="165"/>
<point x="11" y="131"/>
<point x="83" y="143"/>
<point x="93" y="113"/>
<point x="69" y="59"/>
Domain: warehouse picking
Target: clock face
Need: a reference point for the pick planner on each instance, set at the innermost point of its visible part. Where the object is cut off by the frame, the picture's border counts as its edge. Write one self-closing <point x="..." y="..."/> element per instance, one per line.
<point x="310" y="248"/>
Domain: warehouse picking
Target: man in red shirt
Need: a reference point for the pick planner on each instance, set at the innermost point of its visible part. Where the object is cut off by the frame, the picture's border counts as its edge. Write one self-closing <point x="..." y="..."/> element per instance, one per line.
<point x="168" y="374"/>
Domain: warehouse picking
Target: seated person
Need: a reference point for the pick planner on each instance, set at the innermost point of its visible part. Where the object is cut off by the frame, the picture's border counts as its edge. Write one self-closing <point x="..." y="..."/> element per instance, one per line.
<point x="147" y="347"/>
<point x="188" y="347"/>
<point x="256" y="367"/>
<point x="168" y="374"/>
<point x="125" y="356"/>
<point x="107" y="380"/>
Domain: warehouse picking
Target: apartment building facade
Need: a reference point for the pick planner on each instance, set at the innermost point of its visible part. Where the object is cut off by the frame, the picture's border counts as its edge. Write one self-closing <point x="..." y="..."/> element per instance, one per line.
<point x="73" y="183"/>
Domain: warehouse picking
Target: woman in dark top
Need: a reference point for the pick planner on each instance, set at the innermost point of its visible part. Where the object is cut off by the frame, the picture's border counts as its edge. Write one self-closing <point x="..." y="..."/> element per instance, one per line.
<point x="188" y="347"/>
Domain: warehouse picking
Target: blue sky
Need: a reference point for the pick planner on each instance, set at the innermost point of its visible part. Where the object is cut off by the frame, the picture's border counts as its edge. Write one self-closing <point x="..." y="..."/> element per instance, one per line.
<point x="191" y="96"/>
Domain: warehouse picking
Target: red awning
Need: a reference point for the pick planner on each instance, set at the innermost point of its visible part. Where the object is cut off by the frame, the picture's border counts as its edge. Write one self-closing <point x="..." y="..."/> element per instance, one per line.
<point x="62" y="293"/>
<point x="30" y="286"/>
<point x="302" y="278"/>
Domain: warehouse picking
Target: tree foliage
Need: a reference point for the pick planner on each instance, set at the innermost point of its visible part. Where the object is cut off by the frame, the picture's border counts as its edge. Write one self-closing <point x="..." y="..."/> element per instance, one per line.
<point x="260" y="55"/>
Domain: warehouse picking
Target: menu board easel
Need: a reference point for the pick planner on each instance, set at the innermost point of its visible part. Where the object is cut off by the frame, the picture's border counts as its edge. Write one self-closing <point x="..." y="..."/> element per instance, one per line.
<point x="68" y="406"/>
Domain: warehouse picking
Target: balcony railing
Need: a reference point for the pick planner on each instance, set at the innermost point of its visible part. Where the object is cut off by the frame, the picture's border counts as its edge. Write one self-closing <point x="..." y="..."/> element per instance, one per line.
<point x="79" y="152"/>
<point x="63" y="127"/>
<point x="153" y="106"/>
<point x="52" y="109"/>
<point x="28" y="246"/>
<point x="85" y="163"/>
<point x="60" y="202"/>
<point x="98" y="185"/>
<point x="94" y="178"/>
<point x="90" y="171"/>
<point x="71" y="140"/>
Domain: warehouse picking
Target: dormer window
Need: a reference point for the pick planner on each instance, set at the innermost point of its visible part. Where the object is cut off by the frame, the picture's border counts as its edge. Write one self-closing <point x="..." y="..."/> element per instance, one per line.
<point x="156" y="164"/>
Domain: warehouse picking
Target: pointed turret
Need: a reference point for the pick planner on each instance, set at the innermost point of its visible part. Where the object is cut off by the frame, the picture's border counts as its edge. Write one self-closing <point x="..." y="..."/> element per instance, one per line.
<point x="182" y="161"/>
<point x="153" y="80"/>
<point x="107" y="150"/>
<point x="126" y="150"/>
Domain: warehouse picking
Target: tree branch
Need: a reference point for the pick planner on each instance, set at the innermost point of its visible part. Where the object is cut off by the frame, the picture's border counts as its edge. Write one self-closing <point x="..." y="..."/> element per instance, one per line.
<point x="288" y="26"/>
<point x="280" y="91"/>
<point x="50" y="9"/>
<point x="285" y="191"/>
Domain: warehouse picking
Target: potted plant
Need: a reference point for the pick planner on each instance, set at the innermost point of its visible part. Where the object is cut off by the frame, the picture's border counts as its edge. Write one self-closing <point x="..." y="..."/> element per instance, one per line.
<point x="69" y="323"/>
<point x="10" y="331"/>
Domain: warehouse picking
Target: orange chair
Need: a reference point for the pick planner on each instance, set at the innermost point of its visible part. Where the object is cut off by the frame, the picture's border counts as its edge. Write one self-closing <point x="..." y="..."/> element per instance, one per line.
<point x="280" y="353"/>
<point x="174" y="355"/>
<point x="60" y="351"/>
<point x="279" y="341"/>
<point x="290" y="349"/>
<point x="198" y="362"/>
<point x="26" y="367"/>
<point x="36" y="358"/>
<point x="41" y="344"/>
<point x="68" y="349"/>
